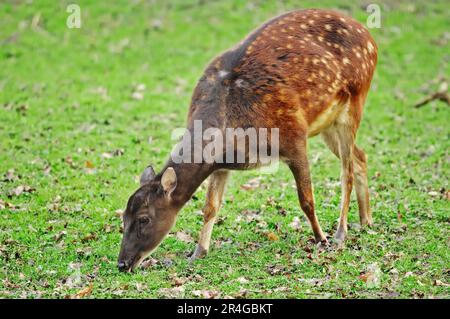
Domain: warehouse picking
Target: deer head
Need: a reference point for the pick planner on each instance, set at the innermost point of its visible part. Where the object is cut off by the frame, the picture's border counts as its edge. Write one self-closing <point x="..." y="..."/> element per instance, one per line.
<point x="148" y="218"/>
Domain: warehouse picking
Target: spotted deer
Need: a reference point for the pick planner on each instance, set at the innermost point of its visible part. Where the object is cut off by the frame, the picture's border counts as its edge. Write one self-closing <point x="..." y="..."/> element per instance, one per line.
<point x="306" y="72"/>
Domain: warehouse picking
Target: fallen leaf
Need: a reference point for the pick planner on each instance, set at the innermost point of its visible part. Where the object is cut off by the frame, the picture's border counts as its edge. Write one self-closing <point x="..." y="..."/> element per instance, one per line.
<point x="241" y="294"/>
<point x="140" y="287"/>
<point x="21" y="189"/>
<point x="47" y="169"/>
<point x="172" y="293"/>
<point x="107" y="228"/>
<point x="207" y="294"/>
<point x="89" y="164"/>
<point x="249" y="215"/>
<point x="177" y="281"/>
<point x="440" y="283"/>
<point x="84" y="252"/>
<point x="89" y="237"/>
<point x="156" y="24"/>
<point x="60" y="235"/>
<point x="272" y="236"/>
<point x="83" y="292"/>
<point x="317" y="282"/>
<point x="69" y="160"/>
<point x="119" y="213"/>
<point x="447" y="195"/>
<point x="252" y="184"/>
<point x="242" y="280"/>
<point x="372" y="276"/>
<point x="295" y="224"/>
<point x="74" y="280"/>
<point x="149" y="263"/>
<point x="137" y="96"/>
<point x="106" y="155"/>
<point x="186" y="238"/>
<point x="276" y="269"/>
<point x="281" y="289"/>
<point x="4" y="205"/>
<point x="10" y="176"/>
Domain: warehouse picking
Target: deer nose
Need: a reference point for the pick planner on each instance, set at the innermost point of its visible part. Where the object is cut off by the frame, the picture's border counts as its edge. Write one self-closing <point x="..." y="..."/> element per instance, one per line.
<point x="122" y="265"/>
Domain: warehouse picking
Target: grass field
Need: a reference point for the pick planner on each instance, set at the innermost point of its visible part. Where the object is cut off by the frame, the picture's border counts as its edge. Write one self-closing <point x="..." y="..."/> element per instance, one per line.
<point x="83" y="111"/>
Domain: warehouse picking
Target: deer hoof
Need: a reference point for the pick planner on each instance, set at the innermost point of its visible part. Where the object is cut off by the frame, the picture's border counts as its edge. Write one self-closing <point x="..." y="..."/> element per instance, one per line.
<point x="366" y="223"/>
<point x="339" y="239"/>
<point x="199" y="252"/>
<point x="323" y="244"/>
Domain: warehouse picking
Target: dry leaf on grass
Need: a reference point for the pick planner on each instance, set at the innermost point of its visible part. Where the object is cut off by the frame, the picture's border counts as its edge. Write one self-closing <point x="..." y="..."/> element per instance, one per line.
<point x="137" y="96"/>
<point x="21" y="189"/>
<point x="186" y="238"/>
<point x="252" y="184"/>
<point x="372" y="276"/>
<point x="177" y="281"/>
<point x="88" y="237"/>
<point x="83" y="292"/>
<point x="138" y="92"/>
<point x="172" y="293"/>
<point x="10" y="176"/>
<point x="242" y="280"/>
<point x="272" y="236"/>
<point x="119" y="213"/>
<point x="59" y="235"/>
<point x="249" y="215"/>
<point x="106" y="155"/>
<point x="440" y="283"/>
<point x="4" y="205"/>
<point x="295" y="224"/>
<point x="89" y="164"/>
<point x="207" y="294"/>
<point x="150" y="262"/>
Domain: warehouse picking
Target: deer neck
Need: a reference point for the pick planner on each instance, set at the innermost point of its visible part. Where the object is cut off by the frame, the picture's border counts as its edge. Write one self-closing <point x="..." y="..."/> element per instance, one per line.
<point x="189" y="177"/>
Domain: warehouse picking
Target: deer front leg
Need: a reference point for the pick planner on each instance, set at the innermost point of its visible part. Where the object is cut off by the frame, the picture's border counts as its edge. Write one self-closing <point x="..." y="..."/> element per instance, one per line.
<point x="214" y="195"/>
<point x="299" y="166"/>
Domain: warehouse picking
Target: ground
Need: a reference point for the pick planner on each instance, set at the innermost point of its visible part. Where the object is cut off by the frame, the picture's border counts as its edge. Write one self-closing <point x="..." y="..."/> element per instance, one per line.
<point x="83" y="111"/>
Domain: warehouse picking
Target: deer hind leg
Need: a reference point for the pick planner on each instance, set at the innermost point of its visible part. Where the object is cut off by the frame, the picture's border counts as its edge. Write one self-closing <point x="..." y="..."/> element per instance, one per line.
<point x="360" y="175"/>
<point x="361" y="186"/>
<point x="214" y="195"/>
<point x="298" y="163"/>
<point x="340" y="139"/>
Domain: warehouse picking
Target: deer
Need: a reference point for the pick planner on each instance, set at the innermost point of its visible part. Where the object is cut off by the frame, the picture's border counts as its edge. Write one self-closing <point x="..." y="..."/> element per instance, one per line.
<point x="305" y="72"/>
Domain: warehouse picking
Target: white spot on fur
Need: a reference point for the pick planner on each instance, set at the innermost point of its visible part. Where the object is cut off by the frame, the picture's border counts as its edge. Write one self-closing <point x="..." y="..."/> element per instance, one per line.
<point x="223" y="73"/>
<point x="239" y="83"/>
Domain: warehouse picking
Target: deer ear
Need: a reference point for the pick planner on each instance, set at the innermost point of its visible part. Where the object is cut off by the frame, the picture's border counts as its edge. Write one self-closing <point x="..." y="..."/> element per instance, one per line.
<point x="147" y="175"/>
<point x="169" y="180"/>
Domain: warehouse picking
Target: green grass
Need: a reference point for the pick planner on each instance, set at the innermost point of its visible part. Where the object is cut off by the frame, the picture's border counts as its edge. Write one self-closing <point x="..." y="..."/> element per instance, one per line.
<point x="66" y="98"/>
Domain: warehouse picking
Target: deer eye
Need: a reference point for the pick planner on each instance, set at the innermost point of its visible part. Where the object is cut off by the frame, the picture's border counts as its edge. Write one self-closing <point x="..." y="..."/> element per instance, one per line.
<point x="143" y="220"/>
